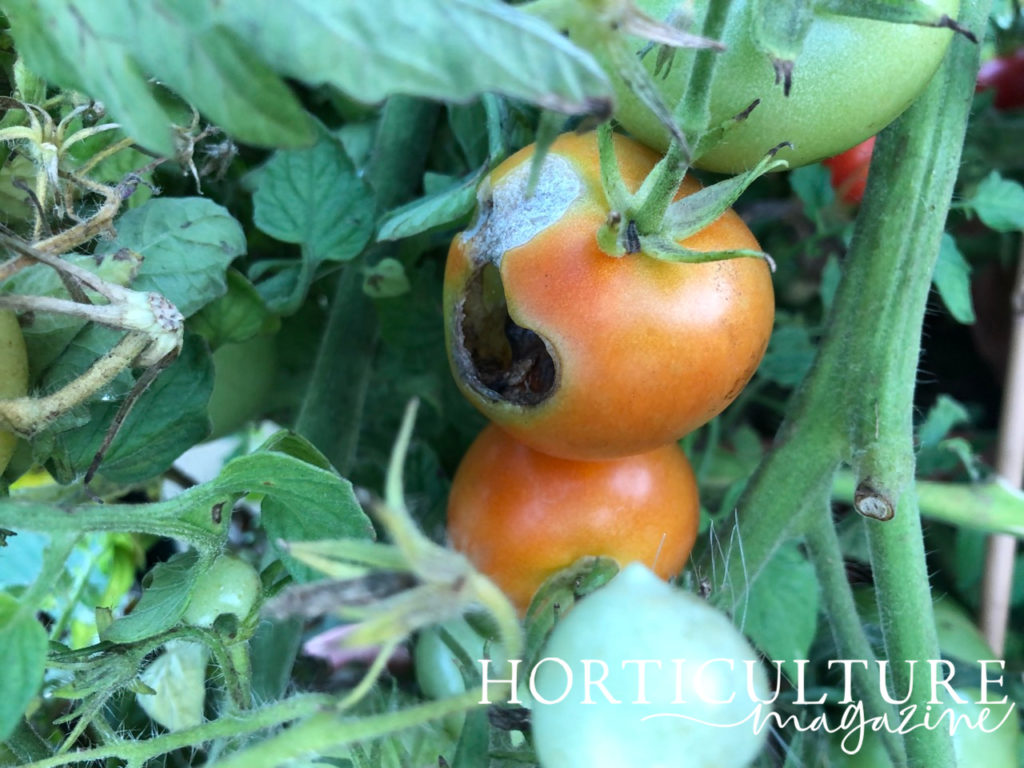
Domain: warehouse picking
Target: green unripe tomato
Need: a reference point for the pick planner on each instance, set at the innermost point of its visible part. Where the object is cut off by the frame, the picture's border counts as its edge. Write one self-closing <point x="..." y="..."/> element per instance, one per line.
<point x="242" y="380"/>
<point x="438" y="672"/>
<point x="852" y="78"/>
<point x="229" y="585"/>
<point x="13" y="374"/>
<point x="638" y="617"/>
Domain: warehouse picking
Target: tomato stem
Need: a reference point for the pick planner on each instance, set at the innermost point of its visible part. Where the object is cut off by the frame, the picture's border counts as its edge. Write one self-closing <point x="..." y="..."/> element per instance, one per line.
<point x="847" y="631"/>
<point x="856" y="405"/>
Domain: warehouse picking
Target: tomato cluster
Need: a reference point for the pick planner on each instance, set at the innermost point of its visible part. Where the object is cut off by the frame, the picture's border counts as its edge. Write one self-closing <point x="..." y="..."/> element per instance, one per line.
<point x="591" y="367"/>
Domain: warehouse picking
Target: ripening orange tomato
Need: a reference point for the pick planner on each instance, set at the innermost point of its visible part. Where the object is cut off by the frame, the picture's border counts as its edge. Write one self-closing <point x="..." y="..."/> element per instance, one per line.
<point x="520" y="515"/>
<point x="583" y="355"/>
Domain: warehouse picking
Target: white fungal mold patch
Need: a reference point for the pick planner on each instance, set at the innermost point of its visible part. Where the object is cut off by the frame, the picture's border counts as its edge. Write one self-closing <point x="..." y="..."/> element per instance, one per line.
<point x="509" y="217"/>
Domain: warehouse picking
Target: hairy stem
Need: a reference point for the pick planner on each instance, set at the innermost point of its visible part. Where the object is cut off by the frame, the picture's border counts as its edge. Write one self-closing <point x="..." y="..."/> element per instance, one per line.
<point x="847" y="631"/>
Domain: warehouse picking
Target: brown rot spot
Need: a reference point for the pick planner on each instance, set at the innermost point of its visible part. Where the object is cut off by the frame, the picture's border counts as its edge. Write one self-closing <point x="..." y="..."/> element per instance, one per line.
<point x="496" y="357"/>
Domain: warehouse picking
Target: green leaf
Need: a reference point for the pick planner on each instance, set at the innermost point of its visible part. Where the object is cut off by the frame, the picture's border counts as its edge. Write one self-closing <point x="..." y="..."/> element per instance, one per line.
<point x="952" y="279"/>
<point x="187" y="244"/>
<point x="237" y="316"/>
<point x="789" y="356"/>
<point x="445" y="50"/>
<point x="200" y="515"/>
<point x="830" y="277"/>
<point x="314" y="198"/>
<point x="811" y="184"/>
<point x="167" y="420"/>
<point x="441" y="209"/>
<point x="165" y="594"/>
<point x="942" y="417"/>
<point x="781" y="615"/>
<point x="114" y="49"/>
<point x="66" y="44"/>
<point x="999" y="203"/>
<point x="303" y="501"/>
<point x="23" y="645"/>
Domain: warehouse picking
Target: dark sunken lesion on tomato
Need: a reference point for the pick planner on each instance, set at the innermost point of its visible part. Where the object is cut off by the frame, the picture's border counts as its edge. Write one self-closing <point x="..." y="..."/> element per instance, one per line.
<point x="499" y="359"/>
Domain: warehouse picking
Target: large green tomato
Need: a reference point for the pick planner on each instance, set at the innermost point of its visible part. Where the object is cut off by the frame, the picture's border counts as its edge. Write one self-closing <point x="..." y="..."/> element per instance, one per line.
<point x="851" y="79"/>
<point x="690" y="652"/>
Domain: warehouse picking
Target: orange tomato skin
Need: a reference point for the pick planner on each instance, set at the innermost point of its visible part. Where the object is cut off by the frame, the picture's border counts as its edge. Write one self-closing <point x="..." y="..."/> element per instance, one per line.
<point x="645" y="350"/>
<point x="520" y="515"/>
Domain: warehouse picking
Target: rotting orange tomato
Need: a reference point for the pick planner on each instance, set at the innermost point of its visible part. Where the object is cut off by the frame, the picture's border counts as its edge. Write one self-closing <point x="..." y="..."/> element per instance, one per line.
<point x="520" y="515"/>
<point x="583" y="355"/>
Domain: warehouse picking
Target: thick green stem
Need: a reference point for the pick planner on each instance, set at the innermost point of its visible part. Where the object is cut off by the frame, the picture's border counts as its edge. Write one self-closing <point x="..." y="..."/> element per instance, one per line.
<point x="847" y="630"/>
<point x="331" y="416"/>
<point x="908" y="624"/>
<point x="856" y="404"/>
<point x="859" y="396"/>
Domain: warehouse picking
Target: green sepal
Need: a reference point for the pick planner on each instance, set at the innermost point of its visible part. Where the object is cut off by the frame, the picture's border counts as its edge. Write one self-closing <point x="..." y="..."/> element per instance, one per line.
<point x="916" y="12"/>
<point x="665" y="249"/>
<point x="558" y="594"/>
<point x="694" y="212"/>
<point x="614" y="187"/>
<point x="640" y="82"/>
<point x="778" y="29"/>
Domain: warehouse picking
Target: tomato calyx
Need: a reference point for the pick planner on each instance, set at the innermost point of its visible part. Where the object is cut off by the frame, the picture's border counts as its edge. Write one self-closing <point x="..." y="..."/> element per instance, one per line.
<point x="654" y="224"/>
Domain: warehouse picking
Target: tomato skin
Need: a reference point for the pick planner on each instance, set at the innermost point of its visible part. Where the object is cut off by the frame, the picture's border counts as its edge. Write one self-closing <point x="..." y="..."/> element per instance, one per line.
<point x="643" y="350"/>
<point x="1004" y="74"/>
<point x="437" y="668"/>
<point x="243" y="380"/>
<point x="637" y="617"/>
<point x="520" y="515"/>
<point x="852" y="78"/>
<point x="14" y="378"/>
<point x="849" y="171"/>
<point x="229" y="585"/>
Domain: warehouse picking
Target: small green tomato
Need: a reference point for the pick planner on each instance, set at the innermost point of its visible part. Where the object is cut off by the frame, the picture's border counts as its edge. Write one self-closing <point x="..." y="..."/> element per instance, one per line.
<point x="229" y="585"/>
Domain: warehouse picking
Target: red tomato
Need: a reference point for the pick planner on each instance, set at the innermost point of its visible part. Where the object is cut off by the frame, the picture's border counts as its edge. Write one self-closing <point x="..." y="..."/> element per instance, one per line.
<point x="1005" y="75"/>
<point x="850" y="171"/>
